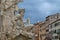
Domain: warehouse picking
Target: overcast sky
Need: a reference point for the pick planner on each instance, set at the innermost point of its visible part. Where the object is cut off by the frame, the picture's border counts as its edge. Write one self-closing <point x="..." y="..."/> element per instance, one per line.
<point x="37" y="10"/>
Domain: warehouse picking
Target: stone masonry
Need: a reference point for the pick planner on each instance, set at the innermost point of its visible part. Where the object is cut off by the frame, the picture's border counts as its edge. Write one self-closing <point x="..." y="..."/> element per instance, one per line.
<point x="11" y="23"/>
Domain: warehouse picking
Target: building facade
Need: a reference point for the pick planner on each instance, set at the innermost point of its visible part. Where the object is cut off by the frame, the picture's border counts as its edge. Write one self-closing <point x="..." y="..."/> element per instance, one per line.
<point x="36" y="31"/>
<point x="53" y="27"/>
<point x="48" y="27"/>
<point x="40" y="31"/>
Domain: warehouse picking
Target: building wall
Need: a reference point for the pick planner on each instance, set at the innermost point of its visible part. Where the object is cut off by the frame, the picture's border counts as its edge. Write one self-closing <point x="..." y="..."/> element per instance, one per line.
<point x="44" y="25"/>
<point x="53" y="25"/>
<point x="36" y="31"/>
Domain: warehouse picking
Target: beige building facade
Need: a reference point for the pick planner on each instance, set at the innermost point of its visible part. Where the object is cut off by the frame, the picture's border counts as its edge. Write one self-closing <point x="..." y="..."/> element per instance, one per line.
<point x="50" y="25"/>
<point x="40" y="30"/>
<point x="54" y="27"/>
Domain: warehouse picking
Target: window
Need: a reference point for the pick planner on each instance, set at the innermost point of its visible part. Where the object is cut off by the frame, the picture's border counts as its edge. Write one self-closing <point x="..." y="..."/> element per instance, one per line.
<point x="58" y="31"/>
<point x="47" y="30"/>
<point x="50" y="26"/>
<point x="54" y="31"/>
<point x="56" y="16"/>
<point x="56" y="37"/>
<point x="57" y="24"/>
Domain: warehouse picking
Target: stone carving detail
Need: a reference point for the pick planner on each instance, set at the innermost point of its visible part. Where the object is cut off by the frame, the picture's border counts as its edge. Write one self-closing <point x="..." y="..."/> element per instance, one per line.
<point x="11" y="25"/>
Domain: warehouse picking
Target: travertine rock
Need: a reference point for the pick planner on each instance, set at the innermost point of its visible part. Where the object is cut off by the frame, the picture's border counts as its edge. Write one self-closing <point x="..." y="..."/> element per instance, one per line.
<point x="11" y="23"/>
<point x="8" y="3"/>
